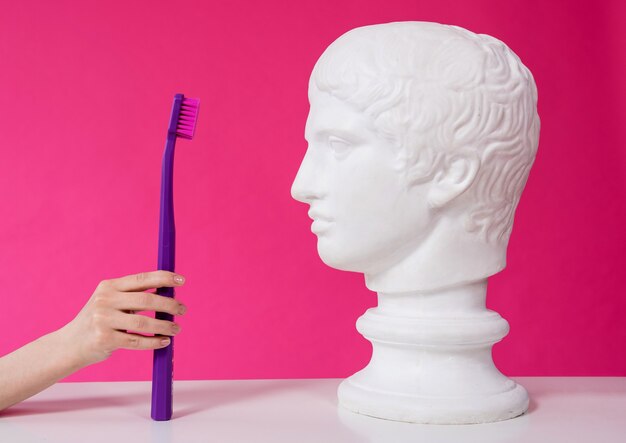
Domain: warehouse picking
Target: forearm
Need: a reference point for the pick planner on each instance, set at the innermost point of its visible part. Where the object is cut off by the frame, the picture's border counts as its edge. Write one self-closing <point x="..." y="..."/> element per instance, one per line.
<point x="34" y="367"/>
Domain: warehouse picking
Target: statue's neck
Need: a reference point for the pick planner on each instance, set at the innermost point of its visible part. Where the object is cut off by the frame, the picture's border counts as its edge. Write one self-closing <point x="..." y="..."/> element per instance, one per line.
<point x="456" y="301"/>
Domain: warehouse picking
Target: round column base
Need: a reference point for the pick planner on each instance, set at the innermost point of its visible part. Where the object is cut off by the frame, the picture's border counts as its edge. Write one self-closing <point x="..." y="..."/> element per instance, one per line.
<point x="404" y="407"/>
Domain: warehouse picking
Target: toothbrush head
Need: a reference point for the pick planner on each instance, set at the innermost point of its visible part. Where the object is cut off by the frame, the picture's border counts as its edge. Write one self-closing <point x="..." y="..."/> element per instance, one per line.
<point x="187" y="117"/>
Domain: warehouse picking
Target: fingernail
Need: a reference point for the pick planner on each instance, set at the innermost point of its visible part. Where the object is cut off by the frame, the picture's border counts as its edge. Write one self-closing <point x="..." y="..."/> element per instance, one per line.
<point x="165" y="341"/>
<point x="182" y="309"/>
<point x="179" y="279"/>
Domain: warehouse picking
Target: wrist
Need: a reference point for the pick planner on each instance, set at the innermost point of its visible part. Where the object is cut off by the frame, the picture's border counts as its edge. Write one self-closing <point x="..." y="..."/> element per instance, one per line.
<point x="68" y="349"/>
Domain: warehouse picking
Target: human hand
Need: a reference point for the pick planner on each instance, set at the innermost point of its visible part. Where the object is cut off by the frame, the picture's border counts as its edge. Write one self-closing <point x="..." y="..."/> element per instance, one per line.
<point x="101" y="326"/>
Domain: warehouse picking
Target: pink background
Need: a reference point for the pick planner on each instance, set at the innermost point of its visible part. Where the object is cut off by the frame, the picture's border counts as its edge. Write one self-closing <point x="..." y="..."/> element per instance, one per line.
<point x="86" y="89"/>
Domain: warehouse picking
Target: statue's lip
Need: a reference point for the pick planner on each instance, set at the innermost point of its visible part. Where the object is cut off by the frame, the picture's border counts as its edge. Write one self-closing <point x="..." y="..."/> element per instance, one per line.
<point x="320" y="226"/>
<point x="315" y="215"/>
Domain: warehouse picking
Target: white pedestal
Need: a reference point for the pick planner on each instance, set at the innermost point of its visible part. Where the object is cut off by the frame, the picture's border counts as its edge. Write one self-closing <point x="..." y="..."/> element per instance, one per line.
<point x="431" y="361"/>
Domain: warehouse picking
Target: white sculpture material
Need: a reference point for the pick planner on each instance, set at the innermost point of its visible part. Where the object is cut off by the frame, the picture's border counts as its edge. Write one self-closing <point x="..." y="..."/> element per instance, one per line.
<point x="420" y="140"/>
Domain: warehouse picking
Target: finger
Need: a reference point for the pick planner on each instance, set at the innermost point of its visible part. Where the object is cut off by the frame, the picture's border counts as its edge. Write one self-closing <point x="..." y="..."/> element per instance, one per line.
<point x="147" y="280"/>
<point x="146" y="301"/>
<point x="125" y="340"/>
<point x="143" y="324"/>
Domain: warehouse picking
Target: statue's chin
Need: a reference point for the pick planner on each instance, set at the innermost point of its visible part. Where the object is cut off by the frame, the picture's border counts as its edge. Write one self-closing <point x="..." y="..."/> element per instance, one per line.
<point x="336" y="257"/>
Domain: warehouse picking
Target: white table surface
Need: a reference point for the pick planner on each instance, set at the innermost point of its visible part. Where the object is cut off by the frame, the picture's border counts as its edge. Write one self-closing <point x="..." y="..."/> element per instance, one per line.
<point x="573" y="409"/>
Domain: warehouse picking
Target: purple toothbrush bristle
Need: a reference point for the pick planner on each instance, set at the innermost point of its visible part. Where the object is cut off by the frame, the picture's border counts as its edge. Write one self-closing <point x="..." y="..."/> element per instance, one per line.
<point x="187" y="118"/>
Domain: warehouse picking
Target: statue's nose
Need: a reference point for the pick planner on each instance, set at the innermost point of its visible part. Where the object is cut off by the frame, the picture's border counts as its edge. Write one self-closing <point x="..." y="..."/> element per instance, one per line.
<point x="306" y="186"/>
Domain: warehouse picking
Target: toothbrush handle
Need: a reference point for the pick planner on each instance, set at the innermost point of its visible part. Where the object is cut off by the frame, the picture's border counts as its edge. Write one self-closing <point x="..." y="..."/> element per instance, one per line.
<point x="163" y="358"/>
<point x="163" y="370"/>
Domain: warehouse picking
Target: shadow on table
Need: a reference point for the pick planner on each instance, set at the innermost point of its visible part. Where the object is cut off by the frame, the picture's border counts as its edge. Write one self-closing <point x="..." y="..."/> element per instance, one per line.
<point x="35" y="406"/>
<point x="375" y="430"/>
<point x="188" y="399"/>
<point x="194" y="400"/>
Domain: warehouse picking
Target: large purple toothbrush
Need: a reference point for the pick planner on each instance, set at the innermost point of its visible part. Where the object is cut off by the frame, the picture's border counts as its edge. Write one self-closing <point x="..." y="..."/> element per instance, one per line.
<point x="182" y="124"/>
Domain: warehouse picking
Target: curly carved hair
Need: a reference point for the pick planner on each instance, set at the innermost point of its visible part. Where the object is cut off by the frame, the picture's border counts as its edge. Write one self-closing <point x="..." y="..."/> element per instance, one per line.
<point x="437" y="91"/>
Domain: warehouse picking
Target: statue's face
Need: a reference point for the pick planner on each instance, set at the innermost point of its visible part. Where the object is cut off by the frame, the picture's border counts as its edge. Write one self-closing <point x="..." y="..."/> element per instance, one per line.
<point x="365" y="216"/>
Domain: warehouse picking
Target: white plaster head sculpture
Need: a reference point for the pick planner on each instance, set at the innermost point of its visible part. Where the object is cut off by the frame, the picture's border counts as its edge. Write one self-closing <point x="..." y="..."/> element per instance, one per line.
<point x="420" y="138"/>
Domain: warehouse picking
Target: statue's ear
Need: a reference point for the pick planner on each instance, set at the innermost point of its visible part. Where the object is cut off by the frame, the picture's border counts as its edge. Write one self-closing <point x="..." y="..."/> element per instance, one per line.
<point x="453" y="179"/>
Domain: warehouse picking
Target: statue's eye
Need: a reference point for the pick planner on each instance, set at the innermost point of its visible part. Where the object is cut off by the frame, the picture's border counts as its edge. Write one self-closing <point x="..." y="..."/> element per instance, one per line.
<point x="338" y="145"/>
